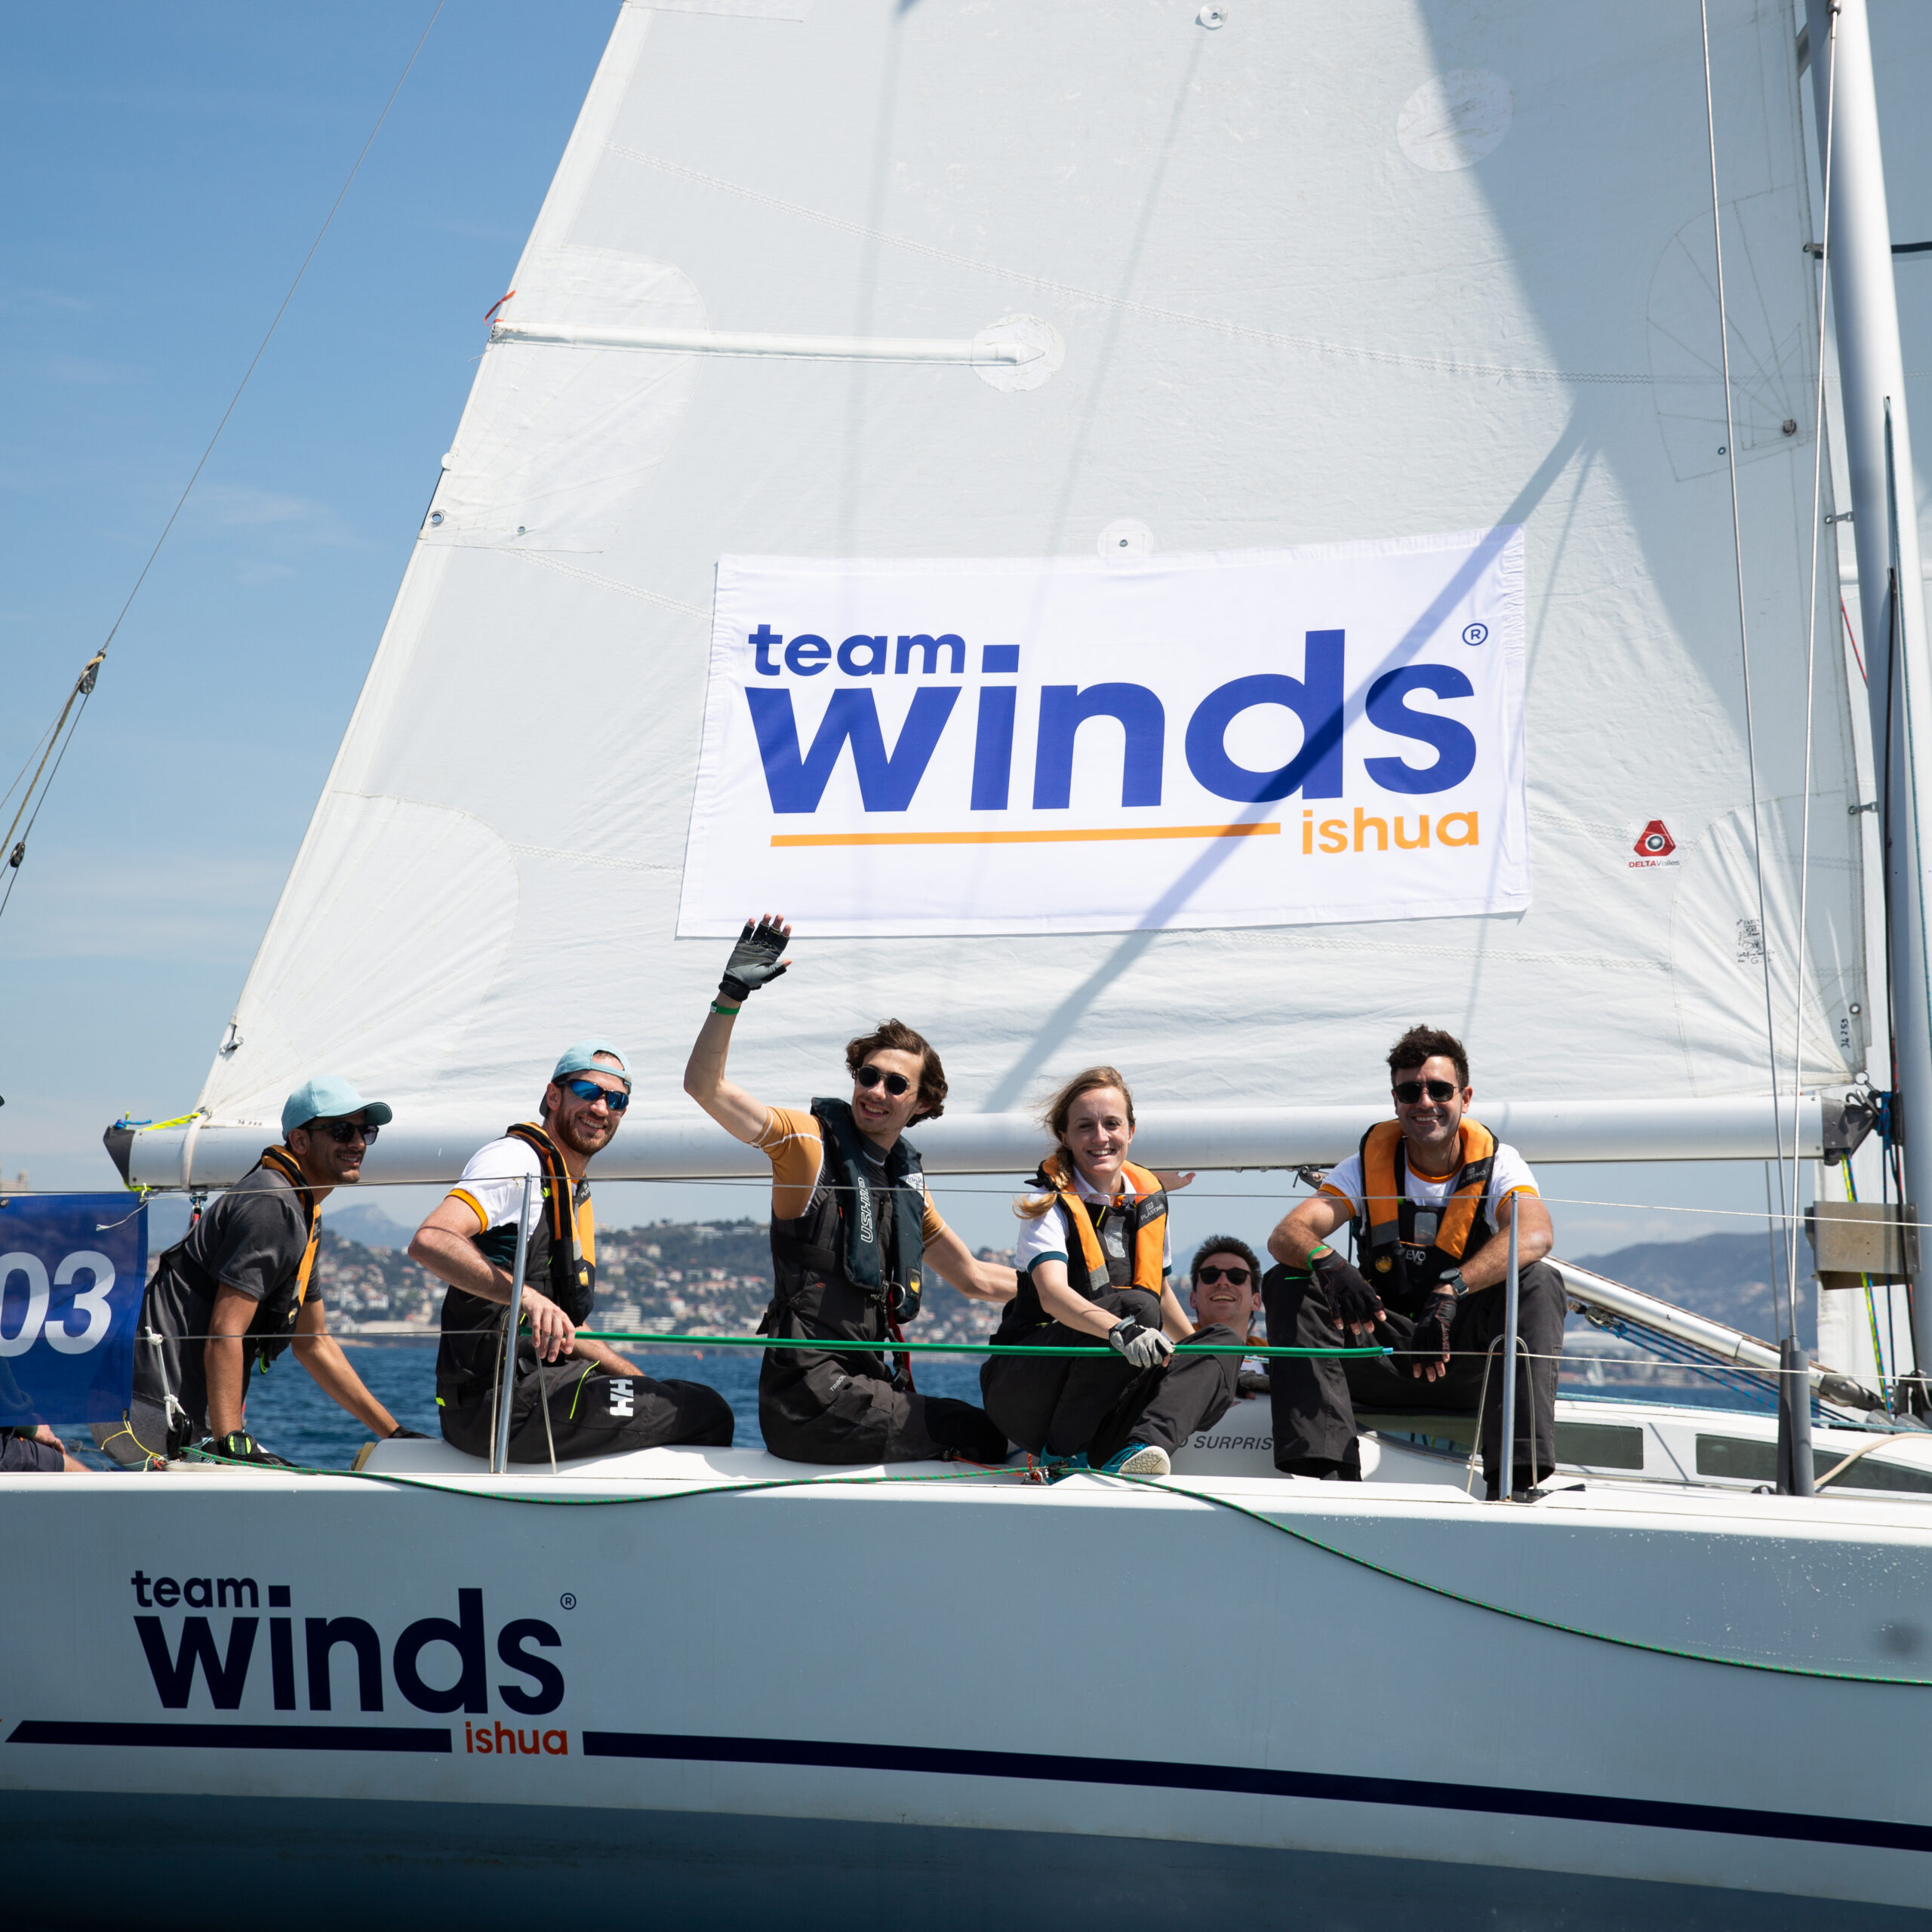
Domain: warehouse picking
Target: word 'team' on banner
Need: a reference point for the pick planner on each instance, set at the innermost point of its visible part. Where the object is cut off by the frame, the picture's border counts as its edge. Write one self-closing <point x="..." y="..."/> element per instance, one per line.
<point x="1329" y="734"/>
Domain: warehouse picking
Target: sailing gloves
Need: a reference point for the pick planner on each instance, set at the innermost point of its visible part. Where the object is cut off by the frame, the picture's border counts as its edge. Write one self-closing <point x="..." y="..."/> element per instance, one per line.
<point x="1429" y="1340"/>
<point x="1135" y="1342"/>
<point x="754" y="961"/>
<point x="1351" y="1302"/>
<point x="239" y="1446"/>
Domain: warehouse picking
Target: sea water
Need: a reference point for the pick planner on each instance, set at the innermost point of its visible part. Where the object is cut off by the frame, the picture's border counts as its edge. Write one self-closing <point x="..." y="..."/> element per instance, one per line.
<point x="290" y="1416"/>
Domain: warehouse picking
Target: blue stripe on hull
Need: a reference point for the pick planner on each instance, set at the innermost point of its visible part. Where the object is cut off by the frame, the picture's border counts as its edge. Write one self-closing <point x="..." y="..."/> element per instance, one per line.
<point x="1652" y="1813"/>
<point x="86" y="1862"/>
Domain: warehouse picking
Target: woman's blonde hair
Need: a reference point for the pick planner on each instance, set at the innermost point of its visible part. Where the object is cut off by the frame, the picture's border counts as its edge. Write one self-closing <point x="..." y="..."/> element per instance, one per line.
<point x="1058" y="1111"/>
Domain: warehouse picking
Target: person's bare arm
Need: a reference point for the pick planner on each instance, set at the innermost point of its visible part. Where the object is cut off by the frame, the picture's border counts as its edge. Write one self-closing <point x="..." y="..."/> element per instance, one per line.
<point x="224" y="1359"/>
<point x="753" y="962"/>
<point x="949" y="1258"/>
<point x="71" y="1466"/>
<point x="1306" y="1226"/>
<point x="728" y="1104"/>
<point x="1070" y="1309"/>
<point x="1535" y="1237"/>
<point x="446" y="1245"/>
<point x="320" y="1354"/>
<point x="604" y="1356"/>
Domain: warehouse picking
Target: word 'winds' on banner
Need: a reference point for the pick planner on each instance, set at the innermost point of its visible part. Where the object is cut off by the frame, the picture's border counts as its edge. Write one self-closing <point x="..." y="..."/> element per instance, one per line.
<point x="1279" y="737"/>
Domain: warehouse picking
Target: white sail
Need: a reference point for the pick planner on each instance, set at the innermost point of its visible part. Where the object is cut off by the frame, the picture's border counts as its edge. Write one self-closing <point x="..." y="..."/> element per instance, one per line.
<point x="1410" y="275"/>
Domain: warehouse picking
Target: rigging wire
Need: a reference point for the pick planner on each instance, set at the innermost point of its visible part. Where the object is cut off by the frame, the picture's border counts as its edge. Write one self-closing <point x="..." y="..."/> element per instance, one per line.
<point x="84" y="686"/>
<point x="1743" y="626"/>
<point x="1810" y="686"/>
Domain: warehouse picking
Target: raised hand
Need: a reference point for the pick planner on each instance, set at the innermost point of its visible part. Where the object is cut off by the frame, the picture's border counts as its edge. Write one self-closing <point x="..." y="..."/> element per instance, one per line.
<point x="755" y="960"/>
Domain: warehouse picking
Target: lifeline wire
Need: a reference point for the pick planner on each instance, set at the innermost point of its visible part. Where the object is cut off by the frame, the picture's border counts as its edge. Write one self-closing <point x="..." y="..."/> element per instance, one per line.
<point x="1161" y="1485"/>
<point x="1810" y="672"/>
<point x="83" y="687"/>
<point x="1743" y="628"/>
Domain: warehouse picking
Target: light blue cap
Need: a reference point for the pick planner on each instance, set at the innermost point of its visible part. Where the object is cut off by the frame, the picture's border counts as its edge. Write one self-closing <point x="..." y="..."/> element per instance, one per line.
<point x="329" y="1098"/>
<point x="582" y="1058"/>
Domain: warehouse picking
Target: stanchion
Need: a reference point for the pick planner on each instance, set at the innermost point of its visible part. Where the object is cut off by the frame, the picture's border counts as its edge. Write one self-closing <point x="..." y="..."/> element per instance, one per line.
<point x="499" y="1447"/>
<point x="1512" y="1294"/>
<point x="1796" y="1470"/>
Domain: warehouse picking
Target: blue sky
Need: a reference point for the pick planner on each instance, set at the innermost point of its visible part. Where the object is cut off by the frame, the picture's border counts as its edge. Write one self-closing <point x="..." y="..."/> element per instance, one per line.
<point x="168" y="167"/>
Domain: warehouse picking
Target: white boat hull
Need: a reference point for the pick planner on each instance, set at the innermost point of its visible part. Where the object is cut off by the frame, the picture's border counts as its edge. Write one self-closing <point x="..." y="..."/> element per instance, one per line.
<point x="970" y="1701"/>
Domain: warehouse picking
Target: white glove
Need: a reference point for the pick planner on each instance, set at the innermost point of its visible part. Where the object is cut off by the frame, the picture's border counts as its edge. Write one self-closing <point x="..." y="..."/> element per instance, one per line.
<point x="1135" y="1342"/>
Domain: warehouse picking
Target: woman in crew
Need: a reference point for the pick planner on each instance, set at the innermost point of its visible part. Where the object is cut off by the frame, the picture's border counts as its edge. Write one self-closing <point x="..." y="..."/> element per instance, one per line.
<point x="1094" y="1260"/>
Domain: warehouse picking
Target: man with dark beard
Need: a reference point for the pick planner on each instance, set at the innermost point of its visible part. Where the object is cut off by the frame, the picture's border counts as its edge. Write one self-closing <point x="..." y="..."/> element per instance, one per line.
<point x="598" y="1402"/>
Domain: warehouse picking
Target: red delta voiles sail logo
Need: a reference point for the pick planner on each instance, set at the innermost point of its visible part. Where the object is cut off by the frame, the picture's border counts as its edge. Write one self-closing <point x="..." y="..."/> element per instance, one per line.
<point x="1653" y="846"/>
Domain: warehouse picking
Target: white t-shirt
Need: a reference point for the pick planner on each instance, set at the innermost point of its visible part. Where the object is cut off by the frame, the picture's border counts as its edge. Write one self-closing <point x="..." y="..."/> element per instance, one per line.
<point x="1045" y="1239"/>
<point x="1509" y="1175"/>
<point x="492" y="1185"/>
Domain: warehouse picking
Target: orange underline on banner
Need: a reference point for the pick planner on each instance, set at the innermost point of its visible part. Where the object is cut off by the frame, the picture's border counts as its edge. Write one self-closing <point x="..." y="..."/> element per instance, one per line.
<point x="1054" y="838"/>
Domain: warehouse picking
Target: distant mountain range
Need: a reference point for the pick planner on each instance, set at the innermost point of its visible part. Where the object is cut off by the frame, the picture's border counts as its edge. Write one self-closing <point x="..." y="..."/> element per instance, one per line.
<point x="1728" y="1277"/>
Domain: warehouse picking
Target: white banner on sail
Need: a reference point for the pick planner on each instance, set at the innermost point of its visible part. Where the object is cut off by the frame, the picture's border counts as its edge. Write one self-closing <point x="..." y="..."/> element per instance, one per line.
<point x="1282" y="737"/>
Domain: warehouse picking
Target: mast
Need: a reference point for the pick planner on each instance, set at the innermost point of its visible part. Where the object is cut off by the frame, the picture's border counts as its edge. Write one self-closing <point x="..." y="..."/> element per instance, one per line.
<point x="1891" y="597"/>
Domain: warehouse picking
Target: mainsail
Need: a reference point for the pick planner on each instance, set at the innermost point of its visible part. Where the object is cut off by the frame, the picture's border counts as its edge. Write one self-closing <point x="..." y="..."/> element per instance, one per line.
<point x="952" y="282"/>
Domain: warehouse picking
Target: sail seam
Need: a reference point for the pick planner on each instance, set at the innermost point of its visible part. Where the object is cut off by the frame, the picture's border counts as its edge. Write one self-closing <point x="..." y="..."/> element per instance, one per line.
<point x="603" y="582"/>
<point x="592" y="859"/>
<point x="1240" y="331"/>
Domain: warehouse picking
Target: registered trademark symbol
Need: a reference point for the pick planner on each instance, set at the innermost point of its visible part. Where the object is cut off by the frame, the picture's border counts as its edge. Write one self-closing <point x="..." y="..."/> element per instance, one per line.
<point x="1475" y="633"/>
<point x="568" y="1600"/>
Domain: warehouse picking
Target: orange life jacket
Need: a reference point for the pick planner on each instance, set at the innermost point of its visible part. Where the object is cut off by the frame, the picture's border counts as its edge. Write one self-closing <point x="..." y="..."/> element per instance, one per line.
<point x="1142" y="1222"/>
<point x="1398" y="1249"/>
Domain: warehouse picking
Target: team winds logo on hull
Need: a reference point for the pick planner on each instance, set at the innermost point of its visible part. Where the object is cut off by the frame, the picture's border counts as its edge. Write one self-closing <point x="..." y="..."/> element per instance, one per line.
<point x="419" y="1660"/>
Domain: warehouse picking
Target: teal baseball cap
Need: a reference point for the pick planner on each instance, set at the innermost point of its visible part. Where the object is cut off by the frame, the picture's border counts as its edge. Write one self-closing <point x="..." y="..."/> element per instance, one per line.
<point x="582" y="1058"/>
<point x="329" y="1098"/>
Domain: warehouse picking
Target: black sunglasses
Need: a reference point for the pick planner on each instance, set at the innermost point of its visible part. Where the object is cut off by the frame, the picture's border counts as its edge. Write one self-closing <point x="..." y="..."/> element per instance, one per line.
<point x="588" y="1089"/>
<point x="1409" y="1091"/>
<point x="1238" y="1277"/>
<point x="869" y="1077"/>
<point x="342" y="1132"/>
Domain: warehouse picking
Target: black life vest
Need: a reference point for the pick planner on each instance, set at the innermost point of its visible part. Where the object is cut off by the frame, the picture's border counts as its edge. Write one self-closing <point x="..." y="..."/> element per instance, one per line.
<point x="472" y="1328"/>
<point x="848" y="1268"/>
<point x="1406" y="1247"/>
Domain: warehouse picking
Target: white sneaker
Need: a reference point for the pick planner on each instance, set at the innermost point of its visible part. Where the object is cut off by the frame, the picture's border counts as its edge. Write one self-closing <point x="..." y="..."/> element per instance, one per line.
<point x="1139" y="1459"/>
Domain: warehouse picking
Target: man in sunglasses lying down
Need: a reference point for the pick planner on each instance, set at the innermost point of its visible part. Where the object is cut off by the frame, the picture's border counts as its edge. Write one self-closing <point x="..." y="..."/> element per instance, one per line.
<point x="571" y="1396"/>
<point x="1431" y="1196"/>
<point x="238" y="1289"/>
<point x="852" y="1234"/>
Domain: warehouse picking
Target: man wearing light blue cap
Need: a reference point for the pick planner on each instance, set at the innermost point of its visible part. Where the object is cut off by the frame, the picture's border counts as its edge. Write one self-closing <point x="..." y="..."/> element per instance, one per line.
<point x="238" y="1290"/>
<point x="571" y="1396"/>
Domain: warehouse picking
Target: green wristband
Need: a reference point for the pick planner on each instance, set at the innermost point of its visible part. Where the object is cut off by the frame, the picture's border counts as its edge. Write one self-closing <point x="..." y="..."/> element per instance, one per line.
<point x="727" y="1012"/>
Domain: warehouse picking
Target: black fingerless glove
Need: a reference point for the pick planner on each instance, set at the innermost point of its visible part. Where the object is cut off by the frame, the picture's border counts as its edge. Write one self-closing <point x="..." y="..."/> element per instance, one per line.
<point x="239" y="1446"/>
<point x="1351" y="1301"/>
<point x="1428" y="1341"/>
<point x="754" y="961"/>
<point x="399" y="1434"/>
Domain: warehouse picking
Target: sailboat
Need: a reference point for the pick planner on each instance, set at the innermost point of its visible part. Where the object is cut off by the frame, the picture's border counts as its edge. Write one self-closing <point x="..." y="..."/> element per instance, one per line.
<point x="1004" y="482"/>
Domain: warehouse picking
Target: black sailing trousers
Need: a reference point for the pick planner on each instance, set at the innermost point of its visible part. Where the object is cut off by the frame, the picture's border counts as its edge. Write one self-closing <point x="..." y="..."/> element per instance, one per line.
<point x="593" y="1412"/>
<point x="1054" y="1407"/>
<point x="1315" y="1400"/>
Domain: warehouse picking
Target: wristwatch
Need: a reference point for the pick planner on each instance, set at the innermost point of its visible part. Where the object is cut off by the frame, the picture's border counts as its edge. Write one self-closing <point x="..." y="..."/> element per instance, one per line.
<point x="1451" y="1283"/>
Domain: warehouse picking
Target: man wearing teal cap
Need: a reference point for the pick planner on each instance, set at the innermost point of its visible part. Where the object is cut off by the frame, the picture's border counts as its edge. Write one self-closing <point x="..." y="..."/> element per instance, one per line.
<point x="239" y="1289"/>
<point x="571" y="1396"/>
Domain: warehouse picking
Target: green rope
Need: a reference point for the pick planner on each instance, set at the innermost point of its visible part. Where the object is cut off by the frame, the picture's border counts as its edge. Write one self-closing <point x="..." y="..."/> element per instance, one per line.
<point x="889" y="1348"/>
<point x="1523" y="1616"/>
<point x="1163" y="1486"/>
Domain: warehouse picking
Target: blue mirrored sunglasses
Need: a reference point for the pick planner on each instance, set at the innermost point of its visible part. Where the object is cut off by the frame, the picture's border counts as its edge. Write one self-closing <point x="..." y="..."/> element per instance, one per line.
<point x="616" y="1100"/>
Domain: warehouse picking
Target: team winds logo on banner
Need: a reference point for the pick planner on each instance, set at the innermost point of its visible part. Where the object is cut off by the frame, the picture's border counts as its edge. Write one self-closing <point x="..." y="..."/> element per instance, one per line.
<point x="1264" y="738"/>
